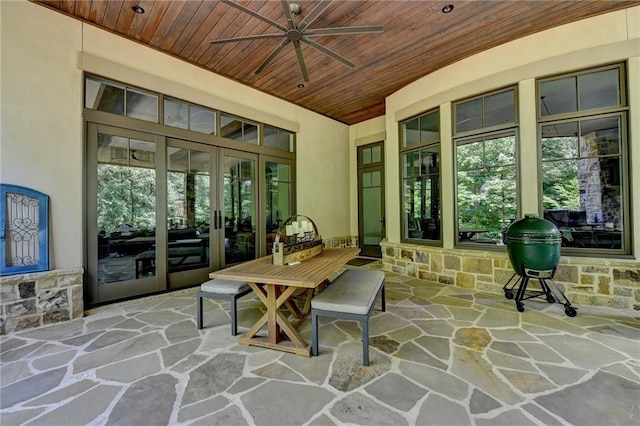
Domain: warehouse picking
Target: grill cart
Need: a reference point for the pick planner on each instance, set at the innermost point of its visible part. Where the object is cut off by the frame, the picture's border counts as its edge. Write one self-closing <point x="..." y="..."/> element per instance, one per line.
<point x="533" y="245"/>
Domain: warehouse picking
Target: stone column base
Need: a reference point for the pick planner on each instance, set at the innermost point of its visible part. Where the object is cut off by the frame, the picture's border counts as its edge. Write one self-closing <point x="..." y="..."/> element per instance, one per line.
<point x="40" y="298"/>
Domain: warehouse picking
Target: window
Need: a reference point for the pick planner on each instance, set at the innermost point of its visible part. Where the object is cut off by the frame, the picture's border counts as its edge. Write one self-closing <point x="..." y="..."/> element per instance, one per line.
<point x="277" y="138"/>
<point x="142" y="105"/>
<point x="118" y="99"/>
<point x="420" y="156"/>
<point x="486" y="187"/>
<point x="582" y="122"/>
<point x="239" y="129"/>
<point x="184" y="115"/>
<point x="279" y="198"/>
<point x="371" y="155"/>
<point x="104" y="95"/>
<point x="485" y="112"/>
<point x="420" y="130"/>
<point x="486" y="173"/>
<point x="581" y="92"/>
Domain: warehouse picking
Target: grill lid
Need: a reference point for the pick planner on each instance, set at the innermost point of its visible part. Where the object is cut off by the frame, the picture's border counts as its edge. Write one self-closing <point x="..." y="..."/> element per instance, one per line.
<point x="533" y="228"/>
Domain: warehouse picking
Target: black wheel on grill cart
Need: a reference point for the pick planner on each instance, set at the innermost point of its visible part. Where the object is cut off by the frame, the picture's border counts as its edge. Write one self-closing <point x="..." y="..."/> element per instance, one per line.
<point x="570" y="311"/>
<point x="520" y="307"/>
<point x="508" y="294"/>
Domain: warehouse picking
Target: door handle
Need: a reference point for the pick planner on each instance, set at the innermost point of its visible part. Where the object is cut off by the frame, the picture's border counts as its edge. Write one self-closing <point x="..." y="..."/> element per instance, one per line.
<point x="216" y="220"/>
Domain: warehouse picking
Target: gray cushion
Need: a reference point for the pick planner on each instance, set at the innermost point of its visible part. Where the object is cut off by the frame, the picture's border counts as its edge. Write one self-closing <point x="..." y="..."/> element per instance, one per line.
<point x="224" y="286"/>
<point x="353" y="292"/>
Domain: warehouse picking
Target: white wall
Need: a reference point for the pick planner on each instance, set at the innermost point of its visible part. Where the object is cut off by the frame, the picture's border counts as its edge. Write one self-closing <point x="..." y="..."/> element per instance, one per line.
<point x="41" y="121"/>
<point x="44" y="54"/>
<point x="608" y="38"/>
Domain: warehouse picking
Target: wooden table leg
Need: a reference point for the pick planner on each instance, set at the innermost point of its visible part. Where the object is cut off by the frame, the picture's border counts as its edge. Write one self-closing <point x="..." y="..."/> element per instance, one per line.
<point x="274" y="297"/>
<point x="273" y="331"/>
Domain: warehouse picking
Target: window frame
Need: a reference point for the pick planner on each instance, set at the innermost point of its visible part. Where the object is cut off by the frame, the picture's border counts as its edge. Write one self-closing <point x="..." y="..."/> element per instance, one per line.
<point x="482" y="138"/>
<point x="189" y="106"/>
<point x="497" y="127"/>
<point x="417" y="147"/>
<point x="578" y="113"/>
<point x="208" y="137"/>
<point x="621" y="111"/>
<point x="459" y="138"/>
<point x="279" y="131"/>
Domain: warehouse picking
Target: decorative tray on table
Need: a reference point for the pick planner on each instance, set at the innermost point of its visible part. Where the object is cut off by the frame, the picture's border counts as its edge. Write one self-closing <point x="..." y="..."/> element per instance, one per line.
<point x="297" y="239"/>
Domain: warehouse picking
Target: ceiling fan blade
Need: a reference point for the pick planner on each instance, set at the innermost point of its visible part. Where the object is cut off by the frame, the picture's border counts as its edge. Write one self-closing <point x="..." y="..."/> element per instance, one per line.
<point x="303" y="66"/>
<point x="327" y="52"/>
<point x="243" y="38"/>
<point x="254" y="14"/>
<point x="287" y="14"/>
<point x="272" y="55"/>
<point x="308" y="20"/>
<point x="366" y="29"/>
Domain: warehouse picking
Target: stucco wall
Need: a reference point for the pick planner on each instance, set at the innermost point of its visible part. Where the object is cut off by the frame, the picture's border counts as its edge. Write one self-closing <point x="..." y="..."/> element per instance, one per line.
<point x="41" y="127"/>
<point x="44" y="54"/>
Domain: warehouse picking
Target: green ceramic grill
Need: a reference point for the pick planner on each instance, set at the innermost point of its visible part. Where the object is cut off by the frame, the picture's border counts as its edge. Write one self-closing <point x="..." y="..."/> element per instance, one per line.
<point x="534" y="243"/>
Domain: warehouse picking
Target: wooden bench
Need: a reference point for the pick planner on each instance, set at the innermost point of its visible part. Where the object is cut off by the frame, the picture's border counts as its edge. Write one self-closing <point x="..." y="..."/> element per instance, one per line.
<point x="222" y="289"/>
<point x="351" y="296"/>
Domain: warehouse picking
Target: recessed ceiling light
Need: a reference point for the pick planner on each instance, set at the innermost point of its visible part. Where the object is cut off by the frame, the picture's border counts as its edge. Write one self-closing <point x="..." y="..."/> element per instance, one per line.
<point x="137" y="9"/>
<point x="300" y="86"/>
<point x="448" y="8"/>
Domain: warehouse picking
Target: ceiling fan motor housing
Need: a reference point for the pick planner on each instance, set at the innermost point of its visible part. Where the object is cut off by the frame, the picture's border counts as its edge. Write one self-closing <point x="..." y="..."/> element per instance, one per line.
<point x="295" y="8"/>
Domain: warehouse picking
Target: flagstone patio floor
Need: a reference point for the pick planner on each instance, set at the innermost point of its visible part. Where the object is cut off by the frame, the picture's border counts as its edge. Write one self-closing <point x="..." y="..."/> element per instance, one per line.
<point x="440" y="355"/>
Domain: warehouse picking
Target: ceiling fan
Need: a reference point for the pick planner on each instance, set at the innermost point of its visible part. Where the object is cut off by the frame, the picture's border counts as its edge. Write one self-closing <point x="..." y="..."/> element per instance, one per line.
<point x="296" y="32"/>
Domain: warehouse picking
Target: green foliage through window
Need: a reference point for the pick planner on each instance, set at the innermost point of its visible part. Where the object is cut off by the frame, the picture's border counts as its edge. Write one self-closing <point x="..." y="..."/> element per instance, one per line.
<point x="486" y="186"/>
<point x="126" y="196"/>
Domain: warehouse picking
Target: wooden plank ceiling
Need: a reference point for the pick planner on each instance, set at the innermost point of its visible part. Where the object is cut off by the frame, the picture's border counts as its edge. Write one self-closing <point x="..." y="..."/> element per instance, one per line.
<point x="418" y="39"/>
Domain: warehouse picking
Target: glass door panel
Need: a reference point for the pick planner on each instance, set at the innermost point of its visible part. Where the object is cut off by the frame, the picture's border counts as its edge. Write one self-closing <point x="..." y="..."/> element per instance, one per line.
<point x="371" y="208"/>
<point x="188" y="209"/>
<point x="278" y="199"/>
<point x="126" y="201"/>
<point x="239" y="208"/>
<point x="122" y="180"/>
<point x="372" y="215"/>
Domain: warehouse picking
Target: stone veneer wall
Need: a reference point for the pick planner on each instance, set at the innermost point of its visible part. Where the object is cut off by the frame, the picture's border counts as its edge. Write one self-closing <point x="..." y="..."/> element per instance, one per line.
<point x="341" y="242"/>
<point x="40" y="298"/>
<point x="613" y="283"/>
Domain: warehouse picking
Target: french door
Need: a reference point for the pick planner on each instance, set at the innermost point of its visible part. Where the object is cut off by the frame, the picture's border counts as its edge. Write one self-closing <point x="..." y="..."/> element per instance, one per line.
<point x="123" y="185"/>
<point x="238" y="205"/>
<point x="163" y="213"/>
<point x="371" y="207"/>
<point x="191" y="213"/>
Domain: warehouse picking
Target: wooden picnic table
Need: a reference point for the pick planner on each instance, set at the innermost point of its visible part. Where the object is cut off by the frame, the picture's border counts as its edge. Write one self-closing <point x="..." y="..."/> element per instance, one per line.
<point x="275" y="285"/>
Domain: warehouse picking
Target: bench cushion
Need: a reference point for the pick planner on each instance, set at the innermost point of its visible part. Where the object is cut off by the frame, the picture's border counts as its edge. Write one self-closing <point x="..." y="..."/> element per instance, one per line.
<point x="224" y="286"/>
<point x="353" y="292"/>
